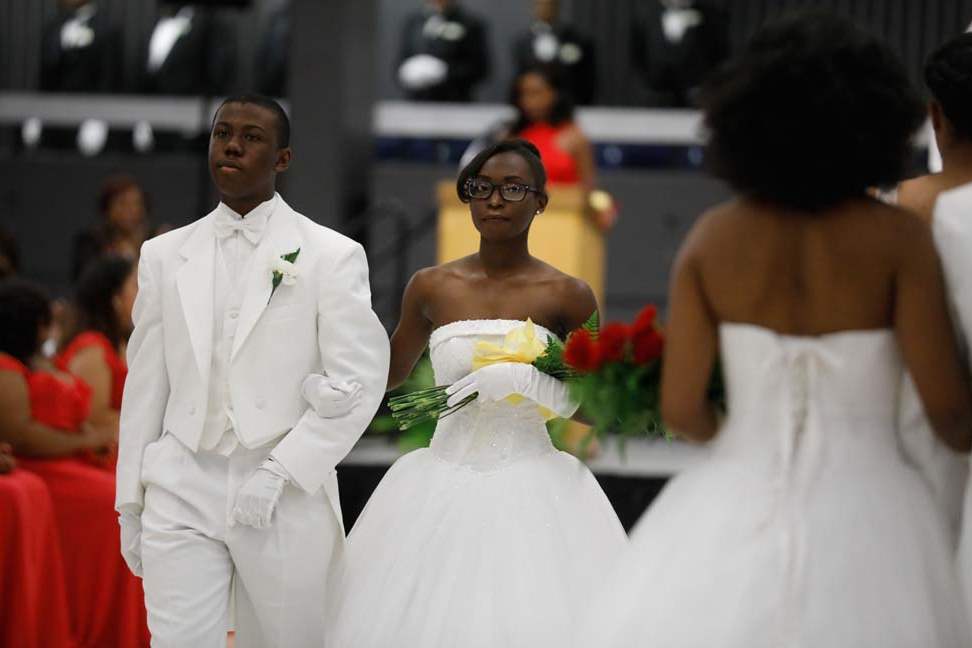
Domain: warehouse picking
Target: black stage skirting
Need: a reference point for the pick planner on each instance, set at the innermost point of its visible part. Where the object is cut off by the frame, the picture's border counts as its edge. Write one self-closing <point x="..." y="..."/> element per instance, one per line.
<point x="630" y="496"/>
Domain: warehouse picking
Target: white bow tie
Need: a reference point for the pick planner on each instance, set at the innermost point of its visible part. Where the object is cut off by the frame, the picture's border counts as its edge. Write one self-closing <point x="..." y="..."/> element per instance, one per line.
<point x="252" y="226"/>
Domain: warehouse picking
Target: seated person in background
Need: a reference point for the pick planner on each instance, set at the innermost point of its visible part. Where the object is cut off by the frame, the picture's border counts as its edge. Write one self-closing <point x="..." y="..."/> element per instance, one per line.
<point x="42" y="413"/>
<point x="124" y="224"/>
<point x="93" y="348"/>
<point x="43" y="417"/>
<point x="549" y="41"/>
<point x="444" y="53"/>
<point x="9" y="254"/>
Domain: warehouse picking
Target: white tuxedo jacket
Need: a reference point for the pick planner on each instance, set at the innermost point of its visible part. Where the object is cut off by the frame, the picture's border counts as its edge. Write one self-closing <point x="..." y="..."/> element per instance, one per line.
<point x="323" y="323"/>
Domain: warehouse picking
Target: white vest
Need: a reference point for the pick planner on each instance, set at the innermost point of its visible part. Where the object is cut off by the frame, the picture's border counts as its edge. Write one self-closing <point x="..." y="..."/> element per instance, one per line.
<point x="219" y="430"/>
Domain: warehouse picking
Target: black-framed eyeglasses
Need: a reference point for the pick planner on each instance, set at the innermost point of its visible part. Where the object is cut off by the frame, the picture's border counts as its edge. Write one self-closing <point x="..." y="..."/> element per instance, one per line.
<point x="482" y="189"/>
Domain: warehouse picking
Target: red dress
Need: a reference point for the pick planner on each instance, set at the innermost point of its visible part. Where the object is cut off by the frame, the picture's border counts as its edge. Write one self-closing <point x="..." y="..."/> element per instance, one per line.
<point x="105" y="600"/>
<point x="33" y="599"/>
<point x="119" y="371"/>
<point x="560" y="165"/>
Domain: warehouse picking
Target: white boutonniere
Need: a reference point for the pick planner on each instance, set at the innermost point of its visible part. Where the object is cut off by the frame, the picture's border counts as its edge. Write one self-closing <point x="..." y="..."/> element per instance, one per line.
<point x="284" y="270"/>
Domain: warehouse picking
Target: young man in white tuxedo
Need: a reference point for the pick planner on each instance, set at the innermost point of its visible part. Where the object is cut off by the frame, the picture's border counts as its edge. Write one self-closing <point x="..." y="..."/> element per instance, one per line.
<point x="226" y="476"/>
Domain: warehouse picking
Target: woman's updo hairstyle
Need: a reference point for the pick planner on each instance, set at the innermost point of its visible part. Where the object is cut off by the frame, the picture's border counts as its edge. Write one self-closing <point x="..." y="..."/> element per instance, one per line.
<point x="813" y="111"/>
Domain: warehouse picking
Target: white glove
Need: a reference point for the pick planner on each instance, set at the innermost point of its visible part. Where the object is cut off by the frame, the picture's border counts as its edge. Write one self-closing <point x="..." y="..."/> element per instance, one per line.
<point x="421" y="71"/>
<point x="497" y="381"/>
<point x="330" y="398"/>
<point x="131" y="540"/>
<point x="259" y="494"/>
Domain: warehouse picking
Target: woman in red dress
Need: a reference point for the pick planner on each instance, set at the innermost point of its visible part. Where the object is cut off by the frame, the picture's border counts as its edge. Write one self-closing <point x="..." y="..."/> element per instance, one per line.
<point x="93" y="348"/>
<point x="43" y="416"/>
<point x="545" y="118"/>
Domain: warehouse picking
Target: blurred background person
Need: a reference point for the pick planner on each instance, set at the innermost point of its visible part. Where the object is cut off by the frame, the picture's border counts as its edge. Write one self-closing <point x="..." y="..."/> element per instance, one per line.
<point x="545" y="118"/>
<point x="122" y="228"/>
<point x="189" y="52"/>
<point x="674" y="46"/>
<point x="93" y="346"/>
<point x="553" y="42"/>
<point x="948" y="77"/>
<point x="43" y="416"/>
<point x="80" y="50"/>
<point x="444" y="53"/>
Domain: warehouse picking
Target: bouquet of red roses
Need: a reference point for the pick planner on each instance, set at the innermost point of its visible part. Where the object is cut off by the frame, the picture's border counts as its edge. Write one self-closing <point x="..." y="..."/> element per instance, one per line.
<point x="617" y="374"/>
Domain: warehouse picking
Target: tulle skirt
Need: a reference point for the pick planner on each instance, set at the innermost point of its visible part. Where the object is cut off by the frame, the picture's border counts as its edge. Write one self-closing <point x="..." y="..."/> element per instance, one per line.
<point x="731" y="556"/>
<point x="447" y="556"/>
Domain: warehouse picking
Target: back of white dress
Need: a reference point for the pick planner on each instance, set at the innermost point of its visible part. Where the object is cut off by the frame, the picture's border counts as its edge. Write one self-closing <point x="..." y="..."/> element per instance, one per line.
<point x="952" y="227"/>
<point x="805" y="527"/>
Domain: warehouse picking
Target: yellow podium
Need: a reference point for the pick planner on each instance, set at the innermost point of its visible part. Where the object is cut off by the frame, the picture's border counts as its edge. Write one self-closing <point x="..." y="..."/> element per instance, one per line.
<point x="562" y="235"/>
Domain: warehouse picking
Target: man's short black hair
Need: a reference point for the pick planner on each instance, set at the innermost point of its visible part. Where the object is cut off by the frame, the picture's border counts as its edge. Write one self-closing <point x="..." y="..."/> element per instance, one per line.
<point x="283" y="121"/>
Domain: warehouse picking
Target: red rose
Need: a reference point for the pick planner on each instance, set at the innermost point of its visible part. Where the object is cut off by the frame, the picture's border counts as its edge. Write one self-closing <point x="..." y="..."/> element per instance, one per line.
<point x="582" y="352"/>
<point x="648" y="346"/>
<point x="645" y="321"/>
<point x="613" y="340"/>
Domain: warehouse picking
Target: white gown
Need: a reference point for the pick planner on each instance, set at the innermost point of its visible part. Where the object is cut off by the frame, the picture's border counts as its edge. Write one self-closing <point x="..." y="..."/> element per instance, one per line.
<point x="804" y="527"/>
<point x="952" y="227"/>
<point x="490" y="537"/>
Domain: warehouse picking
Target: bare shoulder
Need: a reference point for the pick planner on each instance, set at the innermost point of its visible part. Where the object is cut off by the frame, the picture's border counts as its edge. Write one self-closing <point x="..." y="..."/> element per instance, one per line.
<point x="716" y="227"/>
<point x="572" y="136"/>
<point x="907" y="230"/>
<point x="574" y="296"/>
<point x="918" y="194"/>
<point x="433" y="279"/>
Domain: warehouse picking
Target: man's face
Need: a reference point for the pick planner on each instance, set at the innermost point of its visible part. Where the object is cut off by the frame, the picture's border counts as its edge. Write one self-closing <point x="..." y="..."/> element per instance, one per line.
<point x="244" y="158"/>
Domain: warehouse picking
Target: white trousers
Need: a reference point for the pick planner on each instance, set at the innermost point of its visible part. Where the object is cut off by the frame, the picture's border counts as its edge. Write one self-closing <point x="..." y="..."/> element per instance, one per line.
<point x="192" y="558"/>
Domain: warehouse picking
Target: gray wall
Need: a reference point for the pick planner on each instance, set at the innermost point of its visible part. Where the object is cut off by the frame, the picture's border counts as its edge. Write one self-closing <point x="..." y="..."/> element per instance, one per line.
<point x="46" y="199"/>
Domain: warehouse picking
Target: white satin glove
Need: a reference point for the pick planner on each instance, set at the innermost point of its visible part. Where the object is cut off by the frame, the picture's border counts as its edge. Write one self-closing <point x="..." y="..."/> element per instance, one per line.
<point x="131" y="540"/>
<point x="497" y="381"/>
<point x="259" y="494"/>
<point x="422" y="71"/>
<point x="330" y="398"/>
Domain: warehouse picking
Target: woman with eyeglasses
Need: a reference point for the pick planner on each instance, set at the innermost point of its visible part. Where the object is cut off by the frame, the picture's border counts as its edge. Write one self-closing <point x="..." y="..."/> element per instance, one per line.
<point x="489" y="537"/>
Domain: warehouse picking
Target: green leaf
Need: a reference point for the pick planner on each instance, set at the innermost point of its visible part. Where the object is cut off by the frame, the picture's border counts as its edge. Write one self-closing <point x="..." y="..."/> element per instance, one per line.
<point x="593" y="323"/>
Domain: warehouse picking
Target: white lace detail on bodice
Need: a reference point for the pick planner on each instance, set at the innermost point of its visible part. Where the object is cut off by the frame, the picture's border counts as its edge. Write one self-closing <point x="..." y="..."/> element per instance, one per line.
<point x="482" y="436"/>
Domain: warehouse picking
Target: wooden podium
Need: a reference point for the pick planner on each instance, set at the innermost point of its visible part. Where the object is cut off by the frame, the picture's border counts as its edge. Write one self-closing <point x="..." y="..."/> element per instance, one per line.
<point x="562" y="235"/>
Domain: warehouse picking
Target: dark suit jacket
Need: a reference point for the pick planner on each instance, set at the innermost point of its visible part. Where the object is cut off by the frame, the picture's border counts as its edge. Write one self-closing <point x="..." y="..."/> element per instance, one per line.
<point x="674" y="70"/>
<point x="467" y="57"/>
<point x="202" y="61"/>
<point x="579" y="75"/>
<point x="93" y="68"/>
